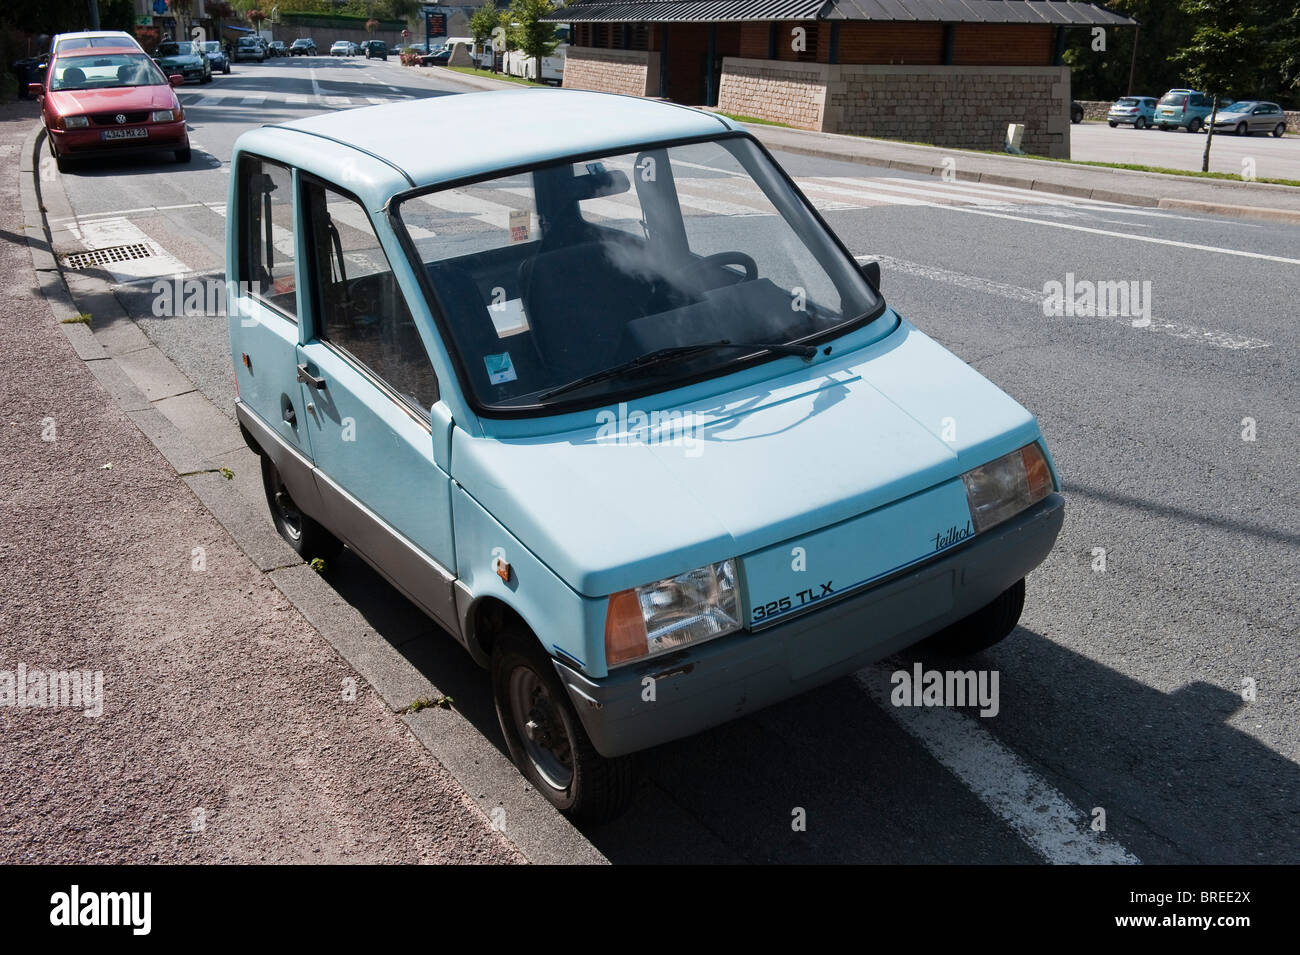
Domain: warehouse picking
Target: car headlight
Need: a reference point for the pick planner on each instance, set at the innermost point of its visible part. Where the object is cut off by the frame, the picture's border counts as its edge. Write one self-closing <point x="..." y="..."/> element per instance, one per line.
<point x="75" y="122"/>
<point x="163" y="116"/>
<point x="1005" y="487"/>
<point x="671" y="613"/>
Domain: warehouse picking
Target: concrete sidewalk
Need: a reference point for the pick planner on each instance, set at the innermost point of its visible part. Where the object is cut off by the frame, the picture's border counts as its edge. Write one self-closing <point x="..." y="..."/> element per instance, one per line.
<point x="223" y="726"/>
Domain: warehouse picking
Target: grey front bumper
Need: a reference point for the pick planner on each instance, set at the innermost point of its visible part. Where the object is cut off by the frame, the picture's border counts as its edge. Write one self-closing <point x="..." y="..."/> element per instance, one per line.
<point x="718" y="681"/>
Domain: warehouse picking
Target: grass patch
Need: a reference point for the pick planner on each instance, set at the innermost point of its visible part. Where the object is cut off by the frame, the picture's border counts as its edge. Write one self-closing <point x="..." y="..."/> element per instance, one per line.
<point x="82" y="319"/>
<point x="1162" y="170"/>
<point x="424" y="703"/>
<point x="488" y="74"/>
<point x="754" y="119"/>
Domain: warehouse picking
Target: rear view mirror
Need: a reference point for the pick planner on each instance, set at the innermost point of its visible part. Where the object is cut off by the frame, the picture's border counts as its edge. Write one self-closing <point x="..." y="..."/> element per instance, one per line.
<point x="871" y="270"/>
<point x="176" y="80"/>
<point x="35" y="89"/>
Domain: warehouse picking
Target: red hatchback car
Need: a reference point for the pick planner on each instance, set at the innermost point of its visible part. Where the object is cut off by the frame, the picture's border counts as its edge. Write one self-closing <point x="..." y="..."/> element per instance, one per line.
<point x="105" y="100"/>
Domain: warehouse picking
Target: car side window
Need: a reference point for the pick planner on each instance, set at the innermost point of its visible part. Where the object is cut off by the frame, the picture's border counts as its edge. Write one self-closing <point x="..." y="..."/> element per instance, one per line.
<point x="360" y="308"/>
<point x="266" y="250"/>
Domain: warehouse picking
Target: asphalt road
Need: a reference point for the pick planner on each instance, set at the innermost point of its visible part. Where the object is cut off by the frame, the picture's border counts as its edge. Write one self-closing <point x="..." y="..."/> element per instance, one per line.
<point x="1179" y="149"/>
<point x="1121" y="691"/>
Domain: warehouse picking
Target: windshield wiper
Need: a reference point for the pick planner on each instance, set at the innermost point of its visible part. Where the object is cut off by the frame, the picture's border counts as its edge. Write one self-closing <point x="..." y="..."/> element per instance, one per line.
<point x="660" y="355"/>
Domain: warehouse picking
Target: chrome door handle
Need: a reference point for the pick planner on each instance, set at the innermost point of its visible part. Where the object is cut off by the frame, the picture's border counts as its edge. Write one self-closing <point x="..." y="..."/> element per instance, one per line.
<point x="307" y="378"/>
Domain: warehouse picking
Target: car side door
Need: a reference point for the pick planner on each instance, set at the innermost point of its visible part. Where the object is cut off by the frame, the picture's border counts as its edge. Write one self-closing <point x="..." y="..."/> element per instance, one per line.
<point x="370" y="418"/>
<point x="263" y="308"/>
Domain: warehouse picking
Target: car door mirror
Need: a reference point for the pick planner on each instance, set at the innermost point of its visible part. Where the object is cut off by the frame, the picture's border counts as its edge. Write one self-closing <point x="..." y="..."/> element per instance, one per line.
<point x="35" y="89"/>
<point x="175" y="80"/>
<point x="871" y="271"/>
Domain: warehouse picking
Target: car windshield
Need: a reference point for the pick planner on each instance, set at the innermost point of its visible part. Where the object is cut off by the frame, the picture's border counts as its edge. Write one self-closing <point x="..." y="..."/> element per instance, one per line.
<point x="1128" y="101"/>
<point x="175" y="49"/>
<point x="105" y="72"/>
<point x="302" y="42"/>
<point x="1243" y="107"/>
<point x="1173" y="99"/>
<point x="212" y="46"/>
<point x="571" y="269"/>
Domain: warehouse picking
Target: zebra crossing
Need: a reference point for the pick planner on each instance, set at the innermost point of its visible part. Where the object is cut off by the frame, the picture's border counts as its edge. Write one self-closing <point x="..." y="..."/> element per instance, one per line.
<point x="271" y="101"/>
<point x="703" y="195"/>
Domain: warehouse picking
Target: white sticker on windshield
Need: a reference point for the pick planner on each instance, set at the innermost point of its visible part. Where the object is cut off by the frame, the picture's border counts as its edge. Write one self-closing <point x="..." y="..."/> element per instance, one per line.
<point x="508" y="317"/>
<point x="500" y="368"/>
<point x="521" y="223"/>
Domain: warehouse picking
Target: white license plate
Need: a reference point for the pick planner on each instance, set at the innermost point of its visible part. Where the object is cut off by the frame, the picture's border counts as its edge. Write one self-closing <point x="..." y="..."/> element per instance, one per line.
<point x="133" y="133"/>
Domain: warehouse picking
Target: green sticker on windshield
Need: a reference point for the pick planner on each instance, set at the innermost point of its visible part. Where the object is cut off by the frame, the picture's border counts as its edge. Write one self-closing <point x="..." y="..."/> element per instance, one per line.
<point x="500" y="368"/>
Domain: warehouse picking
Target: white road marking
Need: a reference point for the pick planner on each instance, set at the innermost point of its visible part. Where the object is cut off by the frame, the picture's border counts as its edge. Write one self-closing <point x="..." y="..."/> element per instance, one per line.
<point x="252" y="101"/>
<point x="1031" y="806"/>
<point x="1156" y="240"/>
<point x="1208" y="336"/>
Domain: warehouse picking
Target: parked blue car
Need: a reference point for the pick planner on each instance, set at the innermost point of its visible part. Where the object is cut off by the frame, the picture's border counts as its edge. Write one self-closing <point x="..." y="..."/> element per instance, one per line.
<point x="607" y="399"/>
<point x="1136" y="111"/>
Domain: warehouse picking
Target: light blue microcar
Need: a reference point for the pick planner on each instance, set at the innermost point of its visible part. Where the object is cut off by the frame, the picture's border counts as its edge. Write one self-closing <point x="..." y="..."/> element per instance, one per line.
<point x="593" y="384"/>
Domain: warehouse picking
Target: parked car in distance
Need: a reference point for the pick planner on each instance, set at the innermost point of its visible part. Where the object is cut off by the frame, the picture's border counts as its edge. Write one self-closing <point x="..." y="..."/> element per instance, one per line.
<point x="375" y="50"/>
<point x="185" y="58"/>
<point x="217" y="59"/>
<point x="109" y="101"/>
<point x="614" y="456"/>
<point x="103" y="39"/>
<point x="303" y="46"/>
<point x="341" y="48"/>
<point x="1135" y="111"/>
<point x="1076" y="112"/>
<point x="1251" y="116"/>
<point x="250" y="48"/>
<point x="1186" y="109"/>
<point x="277" y="48"/>
<point x="440" y="56"/>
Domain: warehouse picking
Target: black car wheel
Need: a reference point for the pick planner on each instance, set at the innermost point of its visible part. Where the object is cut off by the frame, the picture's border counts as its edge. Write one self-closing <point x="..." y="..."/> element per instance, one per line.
<point x="1279" y="130"/>
<point x="1242" y="129"/>
<point x="1194" y="126"/>
<point x="1141" y="123"/>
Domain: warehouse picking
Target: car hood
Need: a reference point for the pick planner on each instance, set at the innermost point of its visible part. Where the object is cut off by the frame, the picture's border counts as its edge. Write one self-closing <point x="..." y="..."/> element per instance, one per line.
<point x="617" y="504"/>
<point x="120" y="99"/>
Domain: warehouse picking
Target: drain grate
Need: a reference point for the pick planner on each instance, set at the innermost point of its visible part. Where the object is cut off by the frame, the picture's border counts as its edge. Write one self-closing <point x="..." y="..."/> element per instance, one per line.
<point x="116" y="253"/>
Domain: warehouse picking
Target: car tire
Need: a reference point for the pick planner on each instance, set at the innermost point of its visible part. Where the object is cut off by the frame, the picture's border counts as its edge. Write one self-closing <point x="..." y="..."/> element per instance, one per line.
<point x="1279" y="130"/>
<point x="307" y="537"/>
<point x="63" y="163"/>
<point x="1194" y="126"/>
<point x="986" y="626"/>
<point x="184" y="155"/>
<point x="1111" y="123"/>
<point x="226" y="70"/>
<point x="206" y="77"/>
<point x="1242" y="130"/>
<point x="577" y="780"/>
<point x="1140" y="123"/>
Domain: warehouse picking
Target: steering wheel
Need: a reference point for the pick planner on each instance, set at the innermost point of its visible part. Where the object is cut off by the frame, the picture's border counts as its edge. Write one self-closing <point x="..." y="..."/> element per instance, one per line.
<point x="692" y="271"/>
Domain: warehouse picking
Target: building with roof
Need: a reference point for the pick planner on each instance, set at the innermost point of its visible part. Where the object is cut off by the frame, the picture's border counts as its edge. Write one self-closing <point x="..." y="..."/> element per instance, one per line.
<point x="947" y="72"/>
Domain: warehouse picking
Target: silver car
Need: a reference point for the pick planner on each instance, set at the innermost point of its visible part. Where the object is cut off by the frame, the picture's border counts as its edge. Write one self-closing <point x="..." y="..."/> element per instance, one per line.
<point x="1137" y="110"/>
<point x="1251" y="116"/>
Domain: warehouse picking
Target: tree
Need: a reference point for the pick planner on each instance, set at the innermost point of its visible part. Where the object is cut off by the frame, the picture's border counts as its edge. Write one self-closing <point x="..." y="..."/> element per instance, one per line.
<point x="532" y="36"/>
<point x="482" y="23"/>
<point x="1227" y="52"/>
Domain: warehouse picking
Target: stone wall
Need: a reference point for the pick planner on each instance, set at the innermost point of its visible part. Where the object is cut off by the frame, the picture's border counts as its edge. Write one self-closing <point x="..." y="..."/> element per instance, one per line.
<point x="783" y="92"/>
<point x="959" y="106"/>
<point x="968" y="107"/>
<point x="631" y="72"/>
